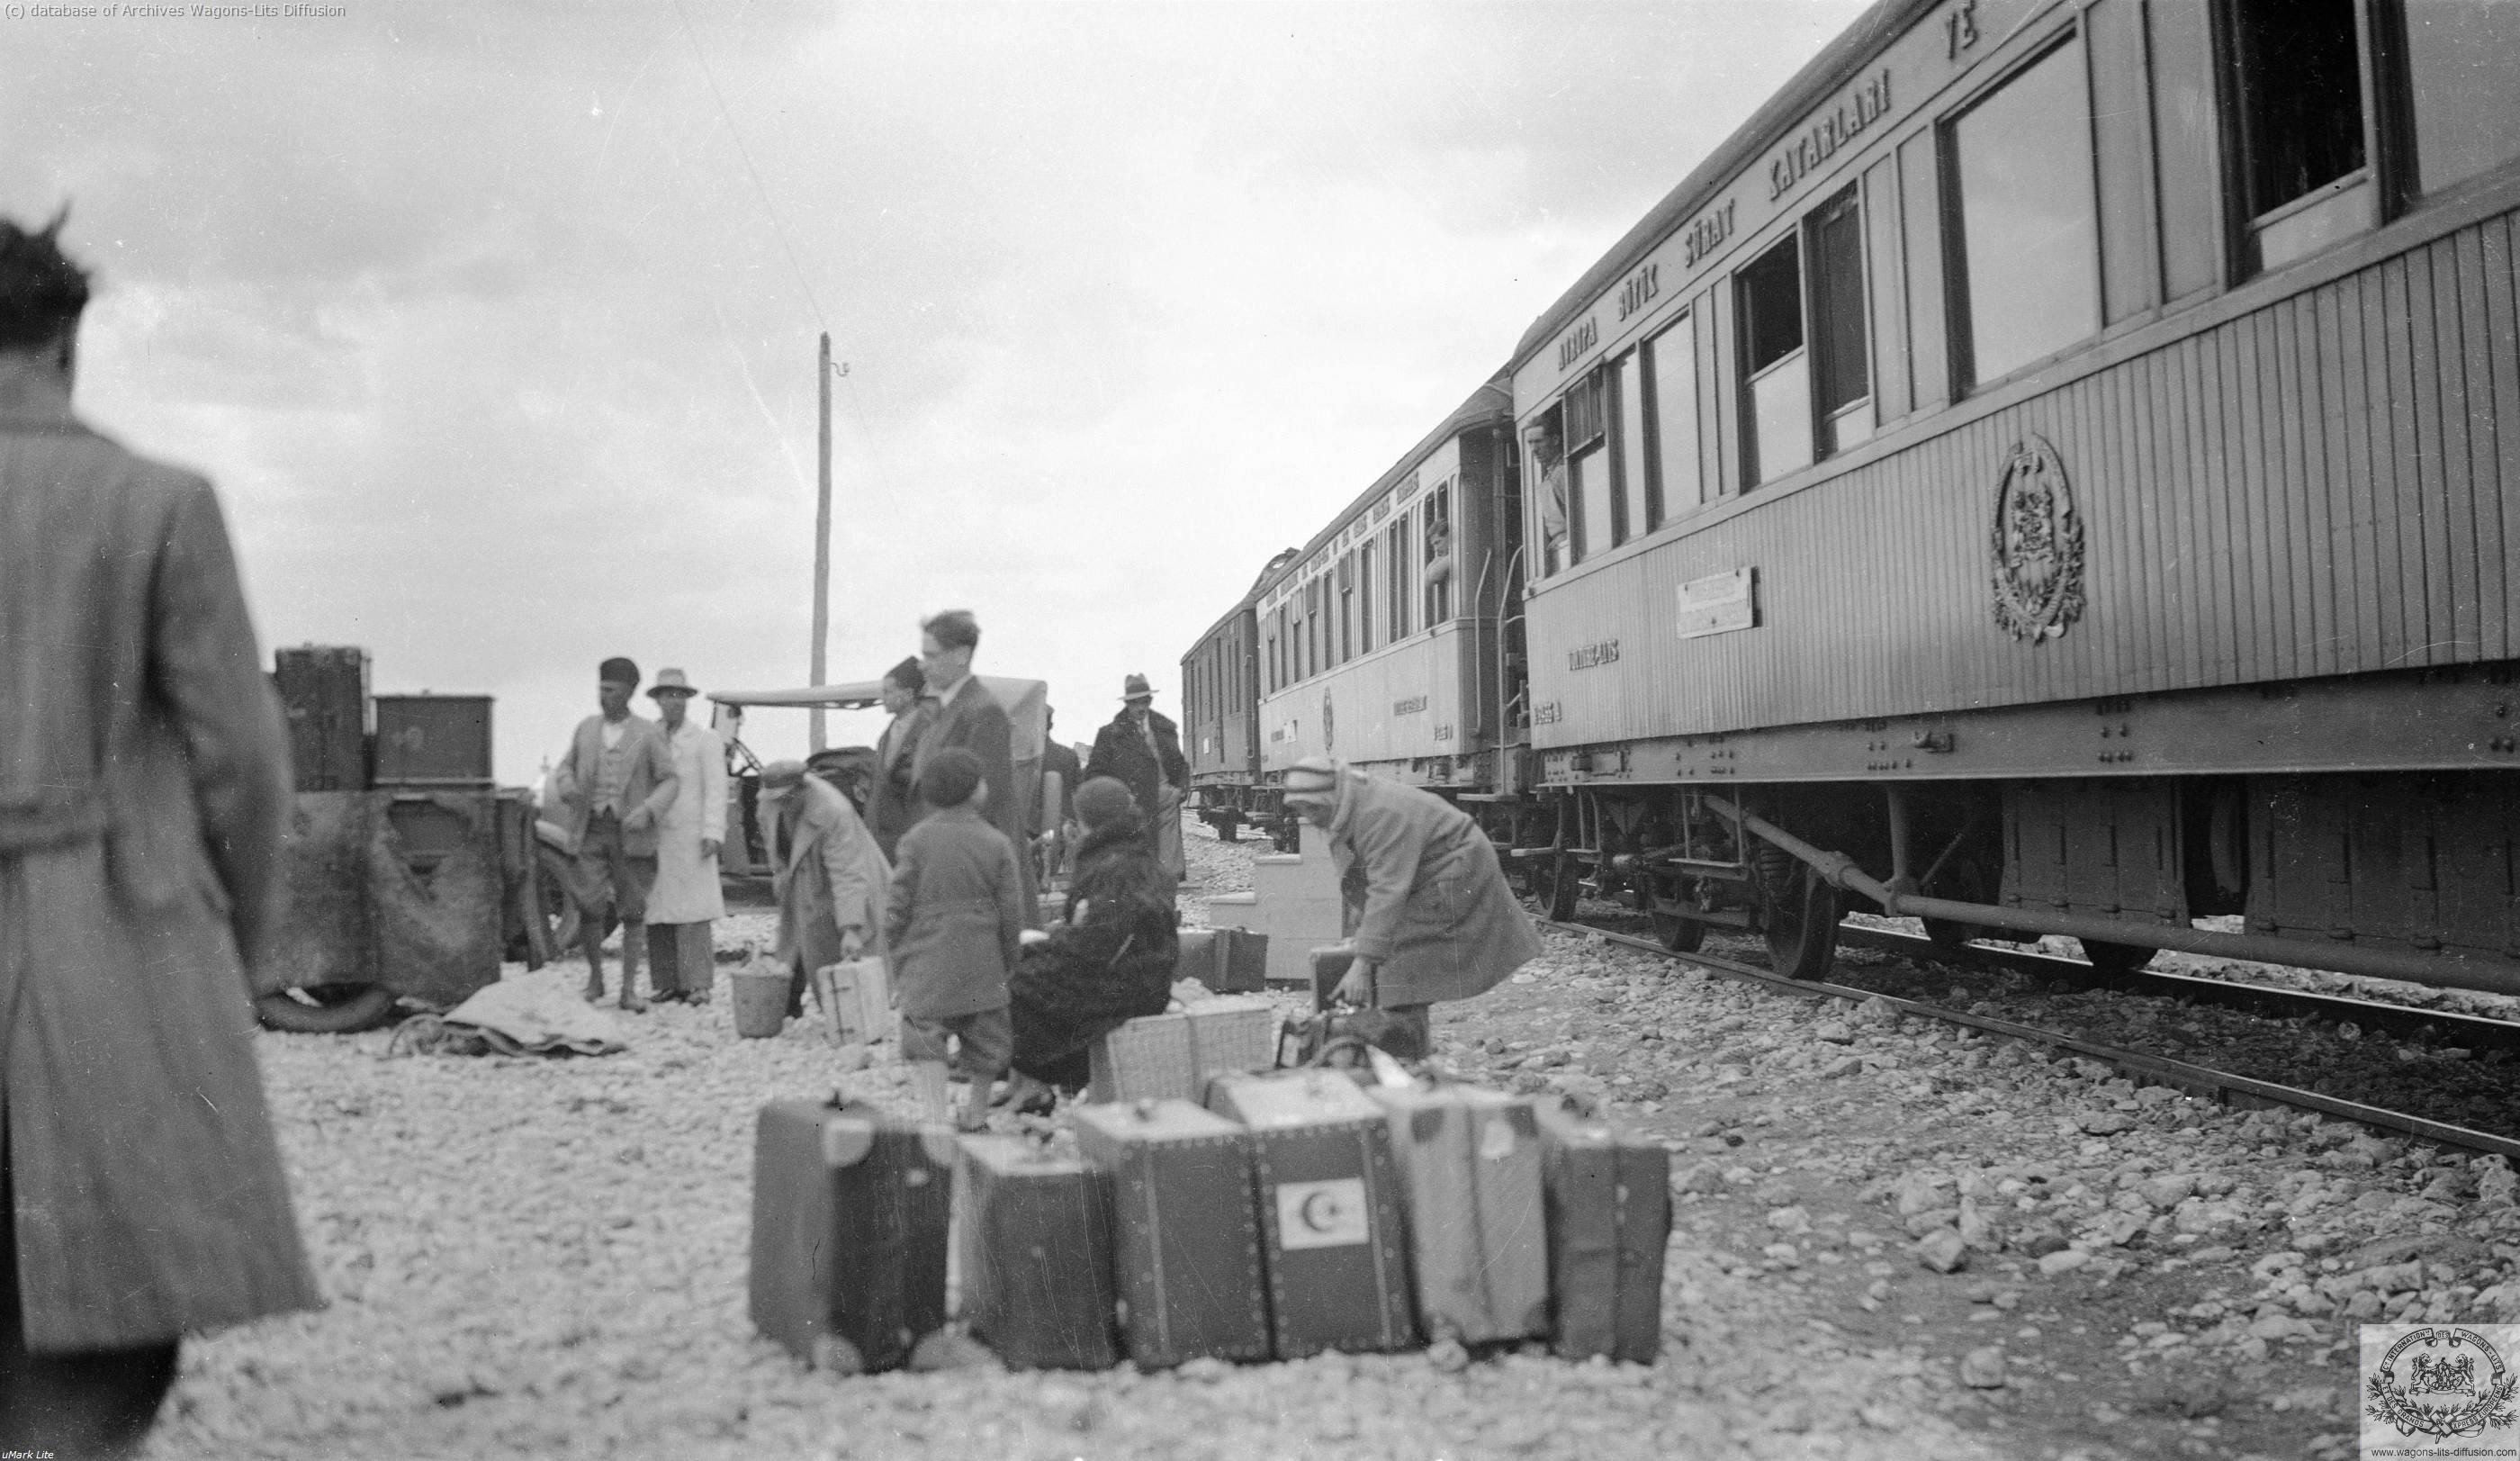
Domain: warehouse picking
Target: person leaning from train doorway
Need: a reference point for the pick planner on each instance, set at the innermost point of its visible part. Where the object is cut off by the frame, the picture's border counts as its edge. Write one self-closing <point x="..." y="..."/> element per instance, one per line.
<point x="144" y="801"/>
<point x="620" y="780"/>
<point x="687" y="898"/>
<point x="1142" y="751"/>
<point x="968" y="715"/>
<point x="1428" y="914"/>
<point x="892" y="805"/>
<point x="826" y="872"/>
<point x="1549" y="461"/>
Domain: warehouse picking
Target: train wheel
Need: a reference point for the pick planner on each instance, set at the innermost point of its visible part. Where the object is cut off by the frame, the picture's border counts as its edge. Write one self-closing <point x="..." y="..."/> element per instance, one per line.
<point x="1802" y="928"/>
<point x="1559" y="886"/>
<point x="2113" y="961"/>
<point x="327" y="1009"/>
<point x="1682" y="936"/>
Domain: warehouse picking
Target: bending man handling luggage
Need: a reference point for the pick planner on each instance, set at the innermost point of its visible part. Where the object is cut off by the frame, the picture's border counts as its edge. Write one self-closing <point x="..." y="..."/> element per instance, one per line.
<point x="1428" y="914"/>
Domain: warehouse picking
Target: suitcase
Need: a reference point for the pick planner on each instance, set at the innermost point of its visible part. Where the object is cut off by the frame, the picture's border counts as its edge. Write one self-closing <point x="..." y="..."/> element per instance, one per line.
<point x="1184" y="1238"/>
<point x="1238" y="1033"/>
<point x="850" y="1210"/>
<point x="1147" y="1059"/>
<point x="324" y="689"/>
<point x="1609" y="1219"/>
<point x="1035" y="1254"/>
<point x="1469" y="1166"/>
<point x="857" y="1000"/>
<point x="434" y="740"/>
<point x="1337" y="1246"/>
<point x="1229" y="961"/>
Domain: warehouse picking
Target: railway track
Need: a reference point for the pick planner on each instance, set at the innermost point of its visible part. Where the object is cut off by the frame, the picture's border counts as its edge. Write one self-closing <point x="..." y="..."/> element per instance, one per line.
<point x="2140" y="1067"/>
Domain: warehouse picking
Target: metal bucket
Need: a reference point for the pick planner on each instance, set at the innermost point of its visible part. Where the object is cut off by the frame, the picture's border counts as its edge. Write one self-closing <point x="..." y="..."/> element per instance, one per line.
<point x="760" y="1002"/>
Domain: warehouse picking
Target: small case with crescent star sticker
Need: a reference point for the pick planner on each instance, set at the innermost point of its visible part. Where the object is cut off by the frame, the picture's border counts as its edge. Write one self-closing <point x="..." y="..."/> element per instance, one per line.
<point x="850" y="1210"/>
<point x="1336" y="1246"/>
<point x="1610" y="1220"/>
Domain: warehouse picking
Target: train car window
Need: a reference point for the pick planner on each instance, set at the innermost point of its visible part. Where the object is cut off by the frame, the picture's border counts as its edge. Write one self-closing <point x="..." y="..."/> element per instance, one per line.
<point x="1365" y="597"/>
<point x="2297" y="81"/>
<point x="1439" y="555"/>
<point x="1775" y="364"/>
<point x="1673" y="486"/>
<point x="2185" y="126"/>
<point x="2463" y="66"/>
<point x="1843" y="381"/>
<point x="1587" y="469"/>
<point x="2027" y="247"/>
<point x="1544" y="460"/>
<point x="1347" y="607"/>
<point x="1634" y="514"/>
<point x="1395" y="552"/>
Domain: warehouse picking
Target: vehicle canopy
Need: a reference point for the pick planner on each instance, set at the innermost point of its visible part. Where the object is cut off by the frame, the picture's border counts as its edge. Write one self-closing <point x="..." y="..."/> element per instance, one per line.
<point x="1026" y="704"/>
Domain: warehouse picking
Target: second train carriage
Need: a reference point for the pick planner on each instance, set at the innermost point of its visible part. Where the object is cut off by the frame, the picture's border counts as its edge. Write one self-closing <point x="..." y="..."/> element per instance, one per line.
<point x="1221" y="718"/>
<point x="2065" y="459"/>
<point x="1382" y="641"/>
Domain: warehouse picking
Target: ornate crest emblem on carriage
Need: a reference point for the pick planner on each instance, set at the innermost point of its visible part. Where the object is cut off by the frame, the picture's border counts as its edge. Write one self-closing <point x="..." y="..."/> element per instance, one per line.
<point x="2037" y="542"/>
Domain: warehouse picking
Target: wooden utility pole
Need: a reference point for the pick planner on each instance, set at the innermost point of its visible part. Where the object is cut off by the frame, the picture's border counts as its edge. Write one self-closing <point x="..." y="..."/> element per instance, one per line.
<point x="822" y="538"/>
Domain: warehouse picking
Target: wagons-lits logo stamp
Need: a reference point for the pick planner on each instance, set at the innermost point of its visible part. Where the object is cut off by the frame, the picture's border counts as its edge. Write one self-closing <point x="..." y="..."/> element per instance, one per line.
<point x="2438" y="1381"/>
<point x="2038" y="543"/>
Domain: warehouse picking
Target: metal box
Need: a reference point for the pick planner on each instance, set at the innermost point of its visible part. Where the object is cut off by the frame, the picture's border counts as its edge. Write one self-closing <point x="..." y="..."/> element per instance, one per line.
<point x="434" y="740"/>
<point x="324" y="691"/>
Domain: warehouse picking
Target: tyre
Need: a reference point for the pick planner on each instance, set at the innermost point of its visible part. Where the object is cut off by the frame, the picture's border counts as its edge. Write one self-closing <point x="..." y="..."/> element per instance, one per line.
<point x="2115" y="961"/>
<point x="1802" y="926"/>
<point x="563" y="919"/>
<point x="1682" y="936"/>
<point x="327" y="1009"/>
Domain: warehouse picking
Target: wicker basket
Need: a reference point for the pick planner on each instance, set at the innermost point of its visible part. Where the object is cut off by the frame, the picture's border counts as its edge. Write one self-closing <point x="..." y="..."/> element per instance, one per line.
<point x="1238" y="1033"/>
<point x="1147" y="1059"/>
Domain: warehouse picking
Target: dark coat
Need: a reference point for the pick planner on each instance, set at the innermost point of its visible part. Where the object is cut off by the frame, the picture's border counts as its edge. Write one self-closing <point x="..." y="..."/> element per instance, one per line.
<point x="892" y="802"/>
<point x="1426" y="896"/>
<point x="955" y="918"/>
<point x="1120" y="751"/>
<point x="974" y="720"/>
<point x="1111" y="961"/>
<point x="144" y="787"/>
<point x="828" y="875"/>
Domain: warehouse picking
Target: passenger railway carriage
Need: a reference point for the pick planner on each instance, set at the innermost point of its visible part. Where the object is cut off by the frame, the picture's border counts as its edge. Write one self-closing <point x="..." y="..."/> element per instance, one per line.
<point x="1385" y="640"/>
<point x="2056" y="468"/>
<point x="1221" y="718"/>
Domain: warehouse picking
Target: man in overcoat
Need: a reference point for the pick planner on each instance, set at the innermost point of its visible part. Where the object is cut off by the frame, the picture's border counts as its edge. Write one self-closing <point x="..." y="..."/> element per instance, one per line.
<point x="687" y="899"/>
<point x="1428" y="914"/>
<point x="1142" y="751"/>
<point x="144" y="787"/>
<point x="620" y="780"/>
<point x="966" y="715"/>
<point x="827" y="871"/>
<point x="892" y="805"/>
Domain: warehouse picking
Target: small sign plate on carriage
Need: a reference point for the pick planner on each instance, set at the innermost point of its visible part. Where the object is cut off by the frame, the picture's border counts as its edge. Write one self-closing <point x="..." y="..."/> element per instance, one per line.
<point x="1719" y="604"/>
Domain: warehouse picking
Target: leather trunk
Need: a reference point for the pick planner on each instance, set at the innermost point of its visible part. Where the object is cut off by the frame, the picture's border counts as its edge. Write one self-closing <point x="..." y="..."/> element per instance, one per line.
<point x="1036" y="1255"/>
<point x="850" y="1210"/>
<point x="1184" y="1237"/>
<point x="324" y="689"/>
<point x="1336" y="1246"/>
<point x="1610" y="1220"/>
<point x="1469" y="1163"/>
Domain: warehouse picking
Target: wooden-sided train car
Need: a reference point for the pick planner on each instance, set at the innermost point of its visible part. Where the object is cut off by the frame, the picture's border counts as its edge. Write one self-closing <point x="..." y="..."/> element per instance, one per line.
<point x="1221" y="718"/>
<point x="2058" y="469"/>
<point x="1380" y="642"/>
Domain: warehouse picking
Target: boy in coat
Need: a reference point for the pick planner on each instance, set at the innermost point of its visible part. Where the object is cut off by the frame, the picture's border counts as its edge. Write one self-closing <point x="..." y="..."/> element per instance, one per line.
<point x="143" y="790"/>
<point x="955" y="922"/>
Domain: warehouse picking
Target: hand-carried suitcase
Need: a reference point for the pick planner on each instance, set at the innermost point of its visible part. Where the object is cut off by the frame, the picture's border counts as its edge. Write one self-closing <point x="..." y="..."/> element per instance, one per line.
<point x="850" y="1210"/>
<point x="1229" y="961"/>
<point x="1469" y="1163"/>
<point x="1610" y="1220"/>
<point x="1336" y="1245"/>
<point x="857" y="996"/>
<point x="1147" y="1059"/>
<point x="1235" y="1034"/>
<point x="1036" y="1255"/>
<point x="1184" y="1239"/>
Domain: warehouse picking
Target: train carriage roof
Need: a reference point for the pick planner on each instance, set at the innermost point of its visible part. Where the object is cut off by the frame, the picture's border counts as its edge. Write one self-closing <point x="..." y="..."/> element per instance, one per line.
<point x="1838" y="62"/>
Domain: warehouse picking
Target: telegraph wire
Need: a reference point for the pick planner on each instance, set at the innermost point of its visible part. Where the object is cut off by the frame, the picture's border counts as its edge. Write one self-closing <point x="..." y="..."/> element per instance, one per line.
<point x="750" y="170"/>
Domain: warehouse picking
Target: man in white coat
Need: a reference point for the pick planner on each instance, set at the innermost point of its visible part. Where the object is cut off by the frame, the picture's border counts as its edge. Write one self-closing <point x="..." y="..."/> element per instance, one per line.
<point x="687" y="898"/>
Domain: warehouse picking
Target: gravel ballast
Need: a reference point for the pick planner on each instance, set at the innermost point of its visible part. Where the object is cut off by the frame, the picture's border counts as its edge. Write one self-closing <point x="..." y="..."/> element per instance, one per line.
<point x="1891" y="1241"/>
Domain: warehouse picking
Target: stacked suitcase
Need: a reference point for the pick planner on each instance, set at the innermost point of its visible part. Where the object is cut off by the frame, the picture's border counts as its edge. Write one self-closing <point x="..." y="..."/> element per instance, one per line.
<point x="850" y="1211"/>
<point x="1035" y="1255"/>
<point x="1184" y="1238"/>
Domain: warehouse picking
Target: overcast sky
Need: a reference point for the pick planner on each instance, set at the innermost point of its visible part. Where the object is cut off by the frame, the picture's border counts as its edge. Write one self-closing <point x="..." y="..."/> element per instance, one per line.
<point x="495" y="323"/>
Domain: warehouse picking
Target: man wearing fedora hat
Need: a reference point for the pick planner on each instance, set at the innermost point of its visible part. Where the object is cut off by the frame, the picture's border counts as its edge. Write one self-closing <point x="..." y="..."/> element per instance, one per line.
<point x="687" y="898"/>
<point x="1142" y="751"/>
<point x="620" y="780"/>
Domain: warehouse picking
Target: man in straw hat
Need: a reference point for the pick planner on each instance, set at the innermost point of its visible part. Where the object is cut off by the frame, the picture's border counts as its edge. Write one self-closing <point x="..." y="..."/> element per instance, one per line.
<point x="1142" y="751"/>
<point x="621" y="779"/>
<point x="144" y="792"/>
<point x="1428" y="914"/>
<point x="828" y="875"/>
<point x="687" y="898"/>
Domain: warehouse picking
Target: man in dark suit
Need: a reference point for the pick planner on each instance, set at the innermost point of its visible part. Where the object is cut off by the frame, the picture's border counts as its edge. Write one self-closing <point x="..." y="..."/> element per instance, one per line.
<point x="621" y="778"/>
<point x="1142" y="750"/>
<point x="964" y="714"/>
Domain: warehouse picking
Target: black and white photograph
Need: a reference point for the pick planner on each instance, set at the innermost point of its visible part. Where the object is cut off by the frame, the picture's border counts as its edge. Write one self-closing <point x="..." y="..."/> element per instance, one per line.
<point x="1395" y="730"/>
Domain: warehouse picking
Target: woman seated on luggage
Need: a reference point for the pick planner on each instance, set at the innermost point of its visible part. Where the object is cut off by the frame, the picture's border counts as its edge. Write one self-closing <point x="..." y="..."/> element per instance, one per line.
<point x="1108" y="962"/>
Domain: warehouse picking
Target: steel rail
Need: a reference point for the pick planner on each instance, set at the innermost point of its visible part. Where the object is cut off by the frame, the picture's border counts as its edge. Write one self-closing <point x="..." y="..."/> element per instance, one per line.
<point x="2201" y="1080"/>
